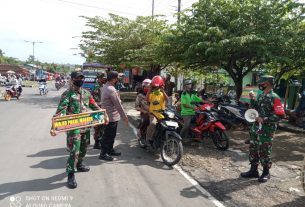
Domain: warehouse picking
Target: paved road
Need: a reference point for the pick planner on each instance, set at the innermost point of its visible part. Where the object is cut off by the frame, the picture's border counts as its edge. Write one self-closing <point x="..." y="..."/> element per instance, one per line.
<point x="33" y="163"/>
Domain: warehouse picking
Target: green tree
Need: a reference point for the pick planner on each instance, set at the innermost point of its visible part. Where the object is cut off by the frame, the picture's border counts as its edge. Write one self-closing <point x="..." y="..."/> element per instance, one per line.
<point x="120" y="40"/>
<point x="235" y="35"/>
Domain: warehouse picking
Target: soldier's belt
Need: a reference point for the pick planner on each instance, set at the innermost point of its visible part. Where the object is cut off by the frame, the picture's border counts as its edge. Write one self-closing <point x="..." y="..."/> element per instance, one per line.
<point x="78" y="121"/>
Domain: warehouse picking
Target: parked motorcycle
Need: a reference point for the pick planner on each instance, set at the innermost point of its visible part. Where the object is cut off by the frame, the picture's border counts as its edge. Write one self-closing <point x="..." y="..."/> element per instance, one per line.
<point x="43" y="89"/>
<point x="206" y="124"/>
<point x="232" y="115"/>
<point x="11" y="91"/>
<point x="165" y="138"/>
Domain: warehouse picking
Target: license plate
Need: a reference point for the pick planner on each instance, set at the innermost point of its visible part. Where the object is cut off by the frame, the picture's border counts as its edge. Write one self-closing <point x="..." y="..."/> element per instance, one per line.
<point x="172" y="124"/>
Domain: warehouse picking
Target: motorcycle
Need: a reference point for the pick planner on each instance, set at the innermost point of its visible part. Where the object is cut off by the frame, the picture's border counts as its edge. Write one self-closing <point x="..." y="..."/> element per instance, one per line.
<point x="58" y="84"/>
<point x="231" y="112"/>
<point x="233" y="115"/>
<point x="206" y="124"/>
<point x="11" y="91"/>
<point x="165" y="138"/>
<point x="43" y="89"/>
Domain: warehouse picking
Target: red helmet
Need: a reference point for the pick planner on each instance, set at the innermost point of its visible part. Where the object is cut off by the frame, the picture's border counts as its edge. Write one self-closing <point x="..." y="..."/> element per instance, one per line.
<point x="157" y="81"/>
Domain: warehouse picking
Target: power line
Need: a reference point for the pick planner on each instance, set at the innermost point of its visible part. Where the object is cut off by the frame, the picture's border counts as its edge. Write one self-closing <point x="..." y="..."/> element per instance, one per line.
<point x="95" y="7"/>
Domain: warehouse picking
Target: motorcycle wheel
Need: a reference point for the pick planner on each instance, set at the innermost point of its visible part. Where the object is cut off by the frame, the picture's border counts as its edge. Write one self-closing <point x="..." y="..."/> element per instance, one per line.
<point x="7" y="97"/>
<point x="40" y="92"/>
<point x="220" y="139"/>
<point x="171" y="151"/>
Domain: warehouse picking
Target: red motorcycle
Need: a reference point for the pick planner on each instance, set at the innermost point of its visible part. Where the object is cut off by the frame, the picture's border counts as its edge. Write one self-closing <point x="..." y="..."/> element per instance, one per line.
<point x="206" y="124"/>
<point x="11" y="91"/>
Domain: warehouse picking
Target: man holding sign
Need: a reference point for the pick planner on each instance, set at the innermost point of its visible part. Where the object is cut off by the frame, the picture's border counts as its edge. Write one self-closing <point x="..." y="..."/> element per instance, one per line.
<point x="76" y="100"/>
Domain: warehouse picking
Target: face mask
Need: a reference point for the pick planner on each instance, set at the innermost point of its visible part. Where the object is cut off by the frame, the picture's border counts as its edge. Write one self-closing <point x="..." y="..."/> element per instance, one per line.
<point x="116" y="82"/>
<point x="145" y="90"/>
<point x="262" y="87"/>
<point x="78" y="83"/>
<point x="156" y="92"/>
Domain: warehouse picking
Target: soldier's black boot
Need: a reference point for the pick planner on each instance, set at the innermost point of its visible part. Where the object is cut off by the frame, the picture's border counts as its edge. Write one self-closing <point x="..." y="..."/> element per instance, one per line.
<point x="265" y="175"/>
<point x="82" y="168"/>
<point x="252" y="173"/>
<point x="71" y="181"/>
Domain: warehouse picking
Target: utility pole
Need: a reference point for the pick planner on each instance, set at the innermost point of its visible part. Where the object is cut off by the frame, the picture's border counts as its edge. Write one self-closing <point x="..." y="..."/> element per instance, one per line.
<point x="153" y="10"/>
<point x="33" y="42"/>
<point x="179" y="9"/>
<point x="177" y="65"/>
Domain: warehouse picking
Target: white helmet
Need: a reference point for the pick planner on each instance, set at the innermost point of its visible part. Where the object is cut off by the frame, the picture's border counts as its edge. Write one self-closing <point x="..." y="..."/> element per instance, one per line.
<point x="146" y="82"/>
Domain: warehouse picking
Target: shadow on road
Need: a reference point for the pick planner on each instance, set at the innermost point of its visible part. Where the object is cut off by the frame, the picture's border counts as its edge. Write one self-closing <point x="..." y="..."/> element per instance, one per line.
<point x="50" y="153"/>
<point x="43" y="184"/>
<point x="299" y="202"/>
<point x="192" y="192"/>
<point x="44" y="102"/>
<point x="287" y="146"/>
<point x="231" y="185"/>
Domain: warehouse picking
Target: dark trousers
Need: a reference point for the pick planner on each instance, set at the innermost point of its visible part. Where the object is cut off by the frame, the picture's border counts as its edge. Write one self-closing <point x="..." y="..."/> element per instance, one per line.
<point x="108" y="137"/>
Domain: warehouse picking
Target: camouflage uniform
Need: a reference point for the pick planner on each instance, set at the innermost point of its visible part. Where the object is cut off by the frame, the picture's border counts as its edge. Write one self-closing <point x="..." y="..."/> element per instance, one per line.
<point x="260" y="149"/>
<point x="96" y="93"/>
<point x="75" y="102"/>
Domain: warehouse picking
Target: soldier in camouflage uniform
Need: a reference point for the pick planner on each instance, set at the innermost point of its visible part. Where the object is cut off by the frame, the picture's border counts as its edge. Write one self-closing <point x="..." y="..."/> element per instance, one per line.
<point x="76" y="100"/>
<point x="269" y="107"/>
<point x="96" y="93"/>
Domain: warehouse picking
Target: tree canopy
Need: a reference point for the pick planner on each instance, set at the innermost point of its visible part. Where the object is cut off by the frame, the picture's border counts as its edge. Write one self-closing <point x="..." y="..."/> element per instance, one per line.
<point x="237" y="36"/>
<point x="120" y="40"/>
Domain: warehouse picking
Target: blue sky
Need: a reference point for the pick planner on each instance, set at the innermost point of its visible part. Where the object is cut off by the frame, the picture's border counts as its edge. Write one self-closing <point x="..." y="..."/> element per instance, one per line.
<point x="55" y="22"/>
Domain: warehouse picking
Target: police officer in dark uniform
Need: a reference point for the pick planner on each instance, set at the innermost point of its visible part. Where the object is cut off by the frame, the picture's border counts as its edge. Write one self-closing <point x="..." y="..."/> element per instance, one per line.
<point x="270" y="109"/>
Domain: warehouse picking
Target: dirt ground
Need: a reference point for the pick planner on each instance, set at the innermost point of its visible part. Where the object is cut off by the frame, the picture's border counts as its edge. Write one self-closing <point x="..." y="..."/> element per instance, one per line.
<point x="218" y="172"/>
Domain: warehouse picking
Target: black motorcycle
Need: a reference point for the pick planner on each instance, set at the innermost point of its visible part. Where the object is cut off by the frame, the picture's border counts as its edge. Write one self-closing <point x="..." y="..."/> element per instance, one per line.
<point x="231" y="112"/>
<point x="165" y="138"/>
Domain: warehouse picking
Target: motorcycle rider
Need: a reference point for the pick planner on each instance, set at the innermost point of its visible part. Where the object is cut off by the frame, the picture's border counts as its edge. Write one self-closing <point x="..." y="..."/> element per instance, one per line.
<point x="96" y="93"/>
<point x="187" y="108"/>
<point x="270" y="109"/>
<point x="157" y="99"/>
<point x="19" y="84"/>
<point x="142" y="105"/>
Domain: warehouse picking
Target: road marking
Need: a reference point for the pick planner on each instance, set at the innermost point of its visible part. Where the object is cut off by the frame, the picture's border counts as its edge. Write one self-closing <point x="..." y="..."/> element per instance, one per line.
<point x="198" y="186"/>
<point x="189" y="178"/>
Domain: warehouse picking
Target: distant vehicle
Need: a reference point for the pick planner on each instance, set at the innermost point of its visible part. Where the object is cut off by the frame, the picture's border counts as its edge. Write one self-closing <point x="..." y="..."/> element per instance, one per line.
<point x="2" y="80"/>
<point x="11" y="91"/>
<point x="43" y="89"/>
<point x="90" y="71"/>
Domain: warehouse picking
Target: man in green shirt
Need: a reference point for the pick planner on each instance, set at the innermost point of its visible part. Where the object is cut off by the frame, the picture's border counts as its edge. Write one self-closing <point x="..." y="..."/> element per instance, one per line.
<point x="187" y="108"/>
